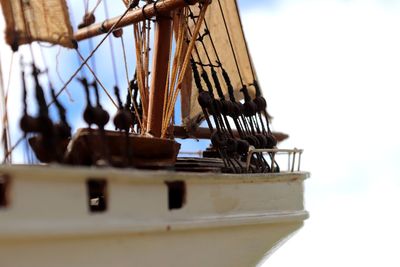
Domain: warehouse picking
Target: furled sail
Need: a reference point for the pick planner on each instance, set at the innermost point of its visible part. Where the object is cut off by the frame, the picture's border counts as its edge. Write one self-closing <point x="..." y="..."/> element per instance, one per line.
<point x="37" y="20"/>
<point x="224" y="26"/>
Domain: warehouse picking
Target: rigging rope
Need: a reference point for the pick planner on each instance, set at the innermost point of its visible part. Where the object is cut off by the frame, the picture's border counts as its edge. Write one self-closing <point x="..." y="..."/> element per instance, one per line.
<point x="92" y="53"/>
<point x="97" y="79"/>
<point x="140" y="76"/>
<point x="220" y="139"/>
<point x="215" y="78"/>
<point x="243" y="115"/>
<point x="186" y="60"/>
<point x="247" y="48"/>
<point x="226" y="105"/>
<point x="70" y="98"/>
<point x="170" y="81"/>
<point x="9" y="152"/>
<point x="135" y="107"/>
<point x="110" y="40"/>
<point x="230" y="42"/>
<point x="5" y="136"/>
<point x="125" y="60"/>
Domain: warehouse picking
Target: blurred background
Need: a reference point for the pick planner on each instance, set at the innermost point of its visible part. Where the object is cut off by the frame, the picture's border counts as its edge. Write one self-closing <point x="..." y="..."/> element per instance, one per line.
<point x="329" y="70"/>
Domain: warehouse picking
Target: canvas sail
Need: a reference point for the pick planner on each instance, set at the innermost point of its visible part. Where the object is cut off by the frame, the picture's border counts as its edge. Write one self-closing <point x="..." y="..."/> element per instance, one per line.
<point x="37" y="20"/>
<point x="191" y="111"/>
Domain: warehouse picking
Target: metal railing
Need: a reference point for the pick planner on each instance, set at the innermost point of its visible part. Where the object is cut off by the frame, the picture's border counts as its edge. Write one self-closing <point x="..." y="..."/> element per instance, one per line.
<point x="292" y="155"/>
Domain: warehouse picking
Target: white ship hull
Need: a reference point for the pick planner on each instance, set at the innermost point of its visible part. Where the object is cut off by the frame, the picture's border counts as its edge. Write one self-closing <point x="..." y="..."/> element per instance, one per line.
<point x="150" y="218"/>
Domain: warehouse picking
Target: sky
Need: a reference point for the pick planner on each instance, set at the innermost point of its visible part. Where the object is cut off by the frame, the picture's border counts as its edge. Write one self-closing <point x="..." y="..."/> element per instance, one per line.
<point x="330" y="73"/>
<point x="329" y="70"/>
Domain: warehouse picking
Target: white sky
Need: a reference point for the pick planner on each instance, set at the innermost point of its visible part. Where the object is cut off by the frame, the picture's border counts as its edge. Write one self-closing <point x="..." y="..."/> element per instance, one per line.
<point x="330" y="73"/>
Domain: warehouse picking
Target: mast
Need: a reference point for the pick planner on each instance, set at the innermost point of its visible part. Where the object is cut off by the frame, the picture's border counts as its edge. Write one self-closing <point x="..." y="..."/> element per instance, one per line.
<point x="162" y="10"/>
<point x="162" y="40"/>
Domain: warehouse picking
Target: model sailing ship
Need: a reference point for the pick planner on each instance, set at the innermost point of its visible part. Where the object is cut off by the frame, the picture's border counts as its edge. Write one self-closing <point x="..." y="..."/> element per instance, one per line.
<point x="126" y="197"/>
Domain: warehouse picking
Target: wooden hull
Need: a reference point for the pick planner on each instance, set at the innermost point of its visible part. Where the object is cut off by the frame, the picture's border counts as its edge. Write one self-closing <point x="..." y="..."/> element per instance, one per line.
<point x="151" y="218"/>
<point x="89" y="146"/>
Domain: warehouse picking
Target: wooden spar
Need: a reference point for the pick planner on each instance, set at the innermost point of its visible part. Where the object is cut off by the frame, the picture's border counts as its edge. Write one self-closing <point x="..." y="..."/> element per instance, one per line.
<point x="162" y="40"/>
<point x="204" y="133"/>
<point x="136" y="15"/>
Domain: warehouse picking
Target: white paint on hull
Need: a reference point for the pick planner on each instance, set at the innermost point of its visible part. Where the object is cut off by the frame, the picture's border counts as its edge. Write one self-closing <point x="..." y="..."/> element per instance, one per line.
<point x="227" y="220"/>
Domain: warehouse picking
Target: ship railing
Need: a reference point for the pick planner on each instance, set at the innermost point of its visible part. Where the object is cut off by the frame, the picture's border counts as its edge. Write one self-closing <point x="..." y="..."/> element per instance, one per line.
<point x="294" y="155"/>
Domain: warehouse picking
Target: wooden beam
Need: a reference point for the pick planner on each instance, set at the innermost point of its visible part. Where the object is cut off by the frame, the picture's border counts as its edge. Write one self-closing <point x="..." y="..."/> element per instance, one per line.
<point x="204" y="133"/>
<point x="133" y="16"/>
<point x="162" y="40"/>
